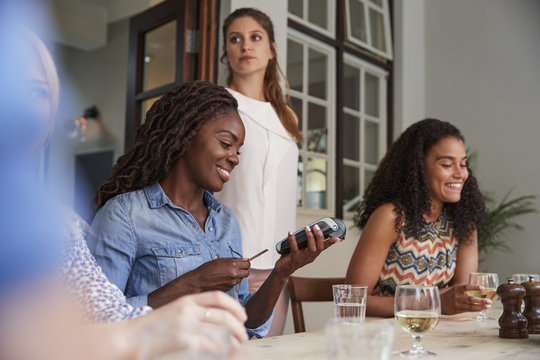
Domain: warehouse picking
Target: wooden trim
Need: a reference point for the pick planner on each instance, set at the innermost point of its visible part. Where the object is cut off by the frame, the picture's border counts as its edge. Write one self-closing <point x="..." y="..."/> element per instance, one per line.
<point x="207" y="40"/>
<point x="154" y="92"/>
<point x="188" y="58"/>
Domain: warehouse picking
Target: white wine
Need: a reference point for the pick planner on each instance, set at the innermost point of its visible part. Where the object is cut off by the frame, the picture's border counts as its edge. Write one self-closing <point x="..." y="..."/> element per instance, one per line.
<point x="351" y="310"/>
<point x="488" y="293"/>
<point x="417" y="322"/>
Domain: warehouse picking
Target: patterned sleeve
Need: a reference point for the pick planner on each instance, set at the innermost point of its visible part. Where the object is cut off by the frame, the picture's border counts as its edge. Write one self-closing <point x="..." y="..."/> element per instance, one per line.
<point x="99" y="299"/>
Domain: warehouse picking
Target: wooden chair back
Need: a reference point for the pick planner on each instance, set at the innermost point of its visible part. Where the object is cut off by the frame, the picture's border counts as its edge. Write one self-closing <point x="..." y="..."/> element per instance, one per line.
<point x="309" y="289"/>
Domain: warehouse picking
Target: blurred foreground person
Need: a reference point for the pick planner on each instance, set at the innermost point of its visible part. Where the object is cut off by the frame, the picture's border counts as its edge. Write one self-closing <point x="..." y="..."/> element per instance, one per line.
<point x="52" y="293"/>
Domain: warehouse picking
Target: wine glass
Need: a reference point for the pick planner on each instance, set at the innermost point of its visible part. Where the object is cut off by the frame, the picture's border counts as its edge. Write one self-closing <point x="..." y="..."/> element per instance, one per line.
<point x="490" y="282"/>
<point x="417" y="309"/>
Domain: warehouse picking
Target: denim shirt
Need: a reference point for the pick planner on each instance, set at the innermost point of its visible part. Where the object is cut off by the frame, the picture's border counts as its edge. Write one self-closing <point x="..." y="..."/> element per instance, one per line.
<point x="143" y="241"/>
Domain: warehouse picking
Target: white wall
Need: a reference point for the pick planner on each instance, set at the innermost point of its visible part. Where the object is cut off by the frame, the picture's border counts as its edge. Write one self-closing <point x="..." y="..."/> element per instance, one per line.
<point x="409" y="64"/>
<point x="97" y="77"/>
<point x="482" y="74"/>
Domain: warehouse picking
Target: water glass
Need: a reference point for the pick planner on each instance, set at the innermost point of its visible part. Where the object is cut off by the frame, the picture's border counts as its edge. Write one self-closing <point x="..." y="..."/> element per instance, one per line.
<point x="366" y="340"/>
<point x="350" y="301"/>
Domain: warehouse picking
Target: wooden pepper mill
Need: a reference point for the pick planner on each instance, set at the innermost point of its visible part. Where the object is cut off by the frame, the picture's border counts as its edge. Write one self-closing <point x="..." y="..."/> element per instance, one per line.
<point x="513" y="325"/>
<point x="532" y="305"/>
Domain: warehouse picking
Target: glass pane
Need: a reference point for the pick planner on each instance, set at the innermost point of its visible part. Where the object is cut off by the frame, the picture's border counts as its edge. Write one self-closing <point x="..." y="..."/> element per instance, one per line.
<point x="357" y="19"/>
<point x="371" y="89"/>
<point x="159" y="56"/>
<point x="295" y="64"/>
<point x="296" y="105"/>
<point x="317" y="73"/>
<point x="368" y="175"/>
<point x="318" y="12"/>
<point x="295" y="7"/>
<point x="317" y="130"/>
<point x="376" y="25"/>
<point x="351" y="95"/>
<point x="371" y="143"/>
<point x="316" y="183"/>
<point x="377" y="2"/>
<point x="146" y="105"/>
<point x="351" y="188"/>
<point x="351" y="137"/>
<point x="300" y="181"/>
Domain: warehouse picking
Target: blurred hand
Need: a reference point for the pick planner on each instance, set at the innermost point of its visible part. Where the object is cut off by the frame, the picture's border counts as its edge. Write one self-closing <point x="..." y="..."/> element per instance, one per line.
<point x="214" y="307"/>
<point x="289" y="263"/>
<point x="454" y="300"/>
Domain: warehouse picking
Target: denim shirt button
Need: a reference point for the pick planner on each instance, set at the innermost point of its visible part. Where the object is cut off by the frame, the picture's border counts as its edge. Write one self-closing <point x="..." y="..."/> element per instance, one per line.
<point x="216" y="256"/>
<point x="180" y="251"/>
<point x="210" y="228"/>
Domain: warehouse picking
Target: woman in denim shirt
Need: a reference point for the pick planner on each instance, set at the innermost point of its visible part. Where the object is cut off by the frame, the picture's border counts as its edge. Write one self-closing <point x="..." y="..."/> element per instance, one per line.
<point x="160" y="233"/>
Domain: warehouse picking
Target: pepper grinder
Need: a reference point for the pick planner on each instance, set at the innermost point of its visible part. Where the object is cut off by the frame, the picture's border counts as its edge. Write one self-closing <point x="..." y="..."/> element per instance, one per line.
<point x="532" y="305"/>
<point x="513" y="325"/>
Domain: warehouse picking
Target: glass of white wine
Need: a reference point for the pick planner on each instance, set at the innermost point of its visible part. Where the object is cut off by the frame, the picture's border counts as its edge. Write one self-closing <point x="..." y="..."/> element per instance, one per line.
<point x="417" y="310"/>
<point x="490" y="282"/>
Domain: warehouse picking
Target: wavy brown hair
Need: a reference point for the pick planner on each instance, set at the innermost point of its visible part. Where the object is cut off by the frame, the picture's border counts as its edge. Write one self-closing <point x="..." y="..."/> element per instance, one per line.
<point x="400" y="179"/>
<point x="272" y="89"/>
<point x="161" y="140"/>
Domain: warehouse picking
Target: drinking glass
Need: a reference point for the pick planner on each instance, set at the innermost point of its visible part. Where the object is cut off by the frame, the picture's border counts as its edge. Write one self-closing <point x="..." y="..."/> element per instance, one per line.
<point x="490" y="282"/>
<point x="350" y="301"/>
<point x="417" y="310"/>
<point x="365" y="340"/>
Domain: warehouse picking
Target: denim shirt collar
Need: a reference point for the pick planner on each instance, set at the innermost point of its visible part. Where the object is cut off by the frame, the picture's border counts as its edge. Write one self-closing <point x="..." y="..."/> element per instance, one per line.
<point x="157" y="198"/>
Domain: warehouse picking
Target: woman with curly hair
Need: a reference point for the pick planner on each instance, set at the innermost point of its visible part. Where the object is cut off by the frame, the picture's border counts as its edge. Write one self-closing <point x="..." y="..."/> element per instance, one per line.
<point x="420" y="216"/>
<point x="161" y="233"/>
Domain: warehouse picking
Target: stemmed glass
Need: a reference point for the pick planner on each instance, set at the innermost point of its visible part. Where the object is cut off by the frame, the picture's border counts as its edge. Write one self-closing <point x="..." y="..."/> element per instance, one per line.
<point x="417" y="309"/>
<point x="490" y="282"/>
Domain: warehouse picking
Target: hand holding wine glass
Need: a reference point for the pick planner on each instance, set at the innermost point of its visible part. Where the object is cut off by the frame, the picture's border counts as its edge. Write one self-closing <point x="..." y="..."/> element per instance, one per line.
<point x="489" y="283"/>
<point x="417" y="310"/>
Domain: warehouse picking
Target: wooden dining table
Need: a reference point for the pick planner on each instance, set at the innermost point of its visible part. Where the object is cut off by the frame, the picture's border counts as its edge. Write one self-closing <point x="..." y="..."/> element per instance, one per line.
<point x="455" y="337"/>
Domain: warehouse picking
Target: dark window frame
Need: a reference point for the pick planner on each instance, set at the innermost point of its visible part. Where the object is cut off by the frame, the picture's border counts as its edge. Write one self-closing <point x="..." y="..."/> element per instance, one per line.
<point x="342" y="47"/>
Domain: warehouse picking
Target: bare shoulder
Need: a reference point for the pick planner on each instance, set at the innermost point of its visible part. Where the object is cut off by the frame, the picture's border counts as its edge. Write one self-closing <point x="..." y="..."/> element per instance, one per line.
<point x="385" y="213"/>
<point x="291" y="111"/>
<point x="381" y="226"/>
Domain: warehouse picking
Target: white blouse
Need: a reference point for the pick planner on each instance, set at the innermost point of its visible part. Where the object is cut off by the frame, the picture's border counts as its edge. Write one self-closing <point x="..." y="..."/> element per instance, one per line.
<point x="262" y="188"/>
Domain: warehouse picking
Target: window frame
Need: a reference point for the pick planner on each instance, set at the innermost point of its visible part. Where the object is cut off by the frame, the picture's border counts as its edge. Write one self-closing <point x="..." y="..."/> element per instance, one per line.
<point x="342" y="47"/>
<point x="329" y="103"/>
<point x="362" y="164"/>
<point x="388" y="54"/>
<point x="331" y="18"/>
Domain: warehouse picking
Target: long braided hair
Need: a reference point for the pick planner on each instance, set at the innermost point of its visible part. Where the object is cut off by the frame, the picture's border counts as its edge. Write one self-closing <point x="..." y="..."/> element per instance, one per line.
<point x="272" y="88"/>
<point x="400" y="179"/>
<point x="161" y="140"/>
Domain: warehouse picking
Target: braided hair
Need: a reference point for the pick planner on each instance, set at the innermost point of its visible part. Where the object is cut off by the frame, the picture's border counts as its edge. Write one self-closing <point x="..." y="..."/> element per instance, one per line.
<point x="161" y="140"/>
<point x="400" y="179"/>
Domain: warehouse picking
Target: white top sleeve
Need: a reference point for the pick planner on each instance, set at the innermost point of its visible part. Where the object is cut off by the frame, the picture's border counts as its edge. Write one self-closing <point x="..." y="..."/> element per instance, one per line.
<point x="262" y="188"/>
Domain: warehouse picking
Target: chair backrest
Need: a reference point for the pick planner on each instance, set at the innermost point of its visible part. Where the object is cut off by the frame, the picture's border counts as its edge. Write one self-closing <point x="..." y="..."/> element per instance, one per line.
<point x="309" y="289"/>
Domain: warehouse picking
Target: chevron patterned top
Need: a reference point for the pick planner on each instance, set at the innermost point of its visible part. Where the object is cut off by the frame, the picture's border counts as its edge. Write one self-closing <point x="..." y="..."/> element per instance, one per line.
<point x="428" y="260"/>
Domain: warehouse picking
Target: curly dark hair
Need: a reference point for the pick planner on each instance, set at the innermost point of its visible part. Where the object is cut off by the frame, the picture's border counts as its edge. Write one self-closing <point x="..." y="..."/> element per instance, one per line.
<point x="161" y="140"/>
<point x="400" y="180"/>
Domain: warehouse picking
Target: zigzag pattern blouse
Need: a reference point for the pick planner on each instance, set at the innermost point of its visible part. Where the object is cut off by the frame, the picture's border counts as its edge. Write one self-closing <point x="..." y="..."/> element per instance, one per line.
<point x="428" y="260"/>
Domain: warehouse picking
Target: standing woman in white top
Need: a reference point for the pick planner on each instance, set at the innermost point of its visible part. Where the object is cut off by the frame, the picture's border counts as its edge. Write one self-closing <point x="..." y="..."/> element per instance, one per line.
<point x="262" y="190"/>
